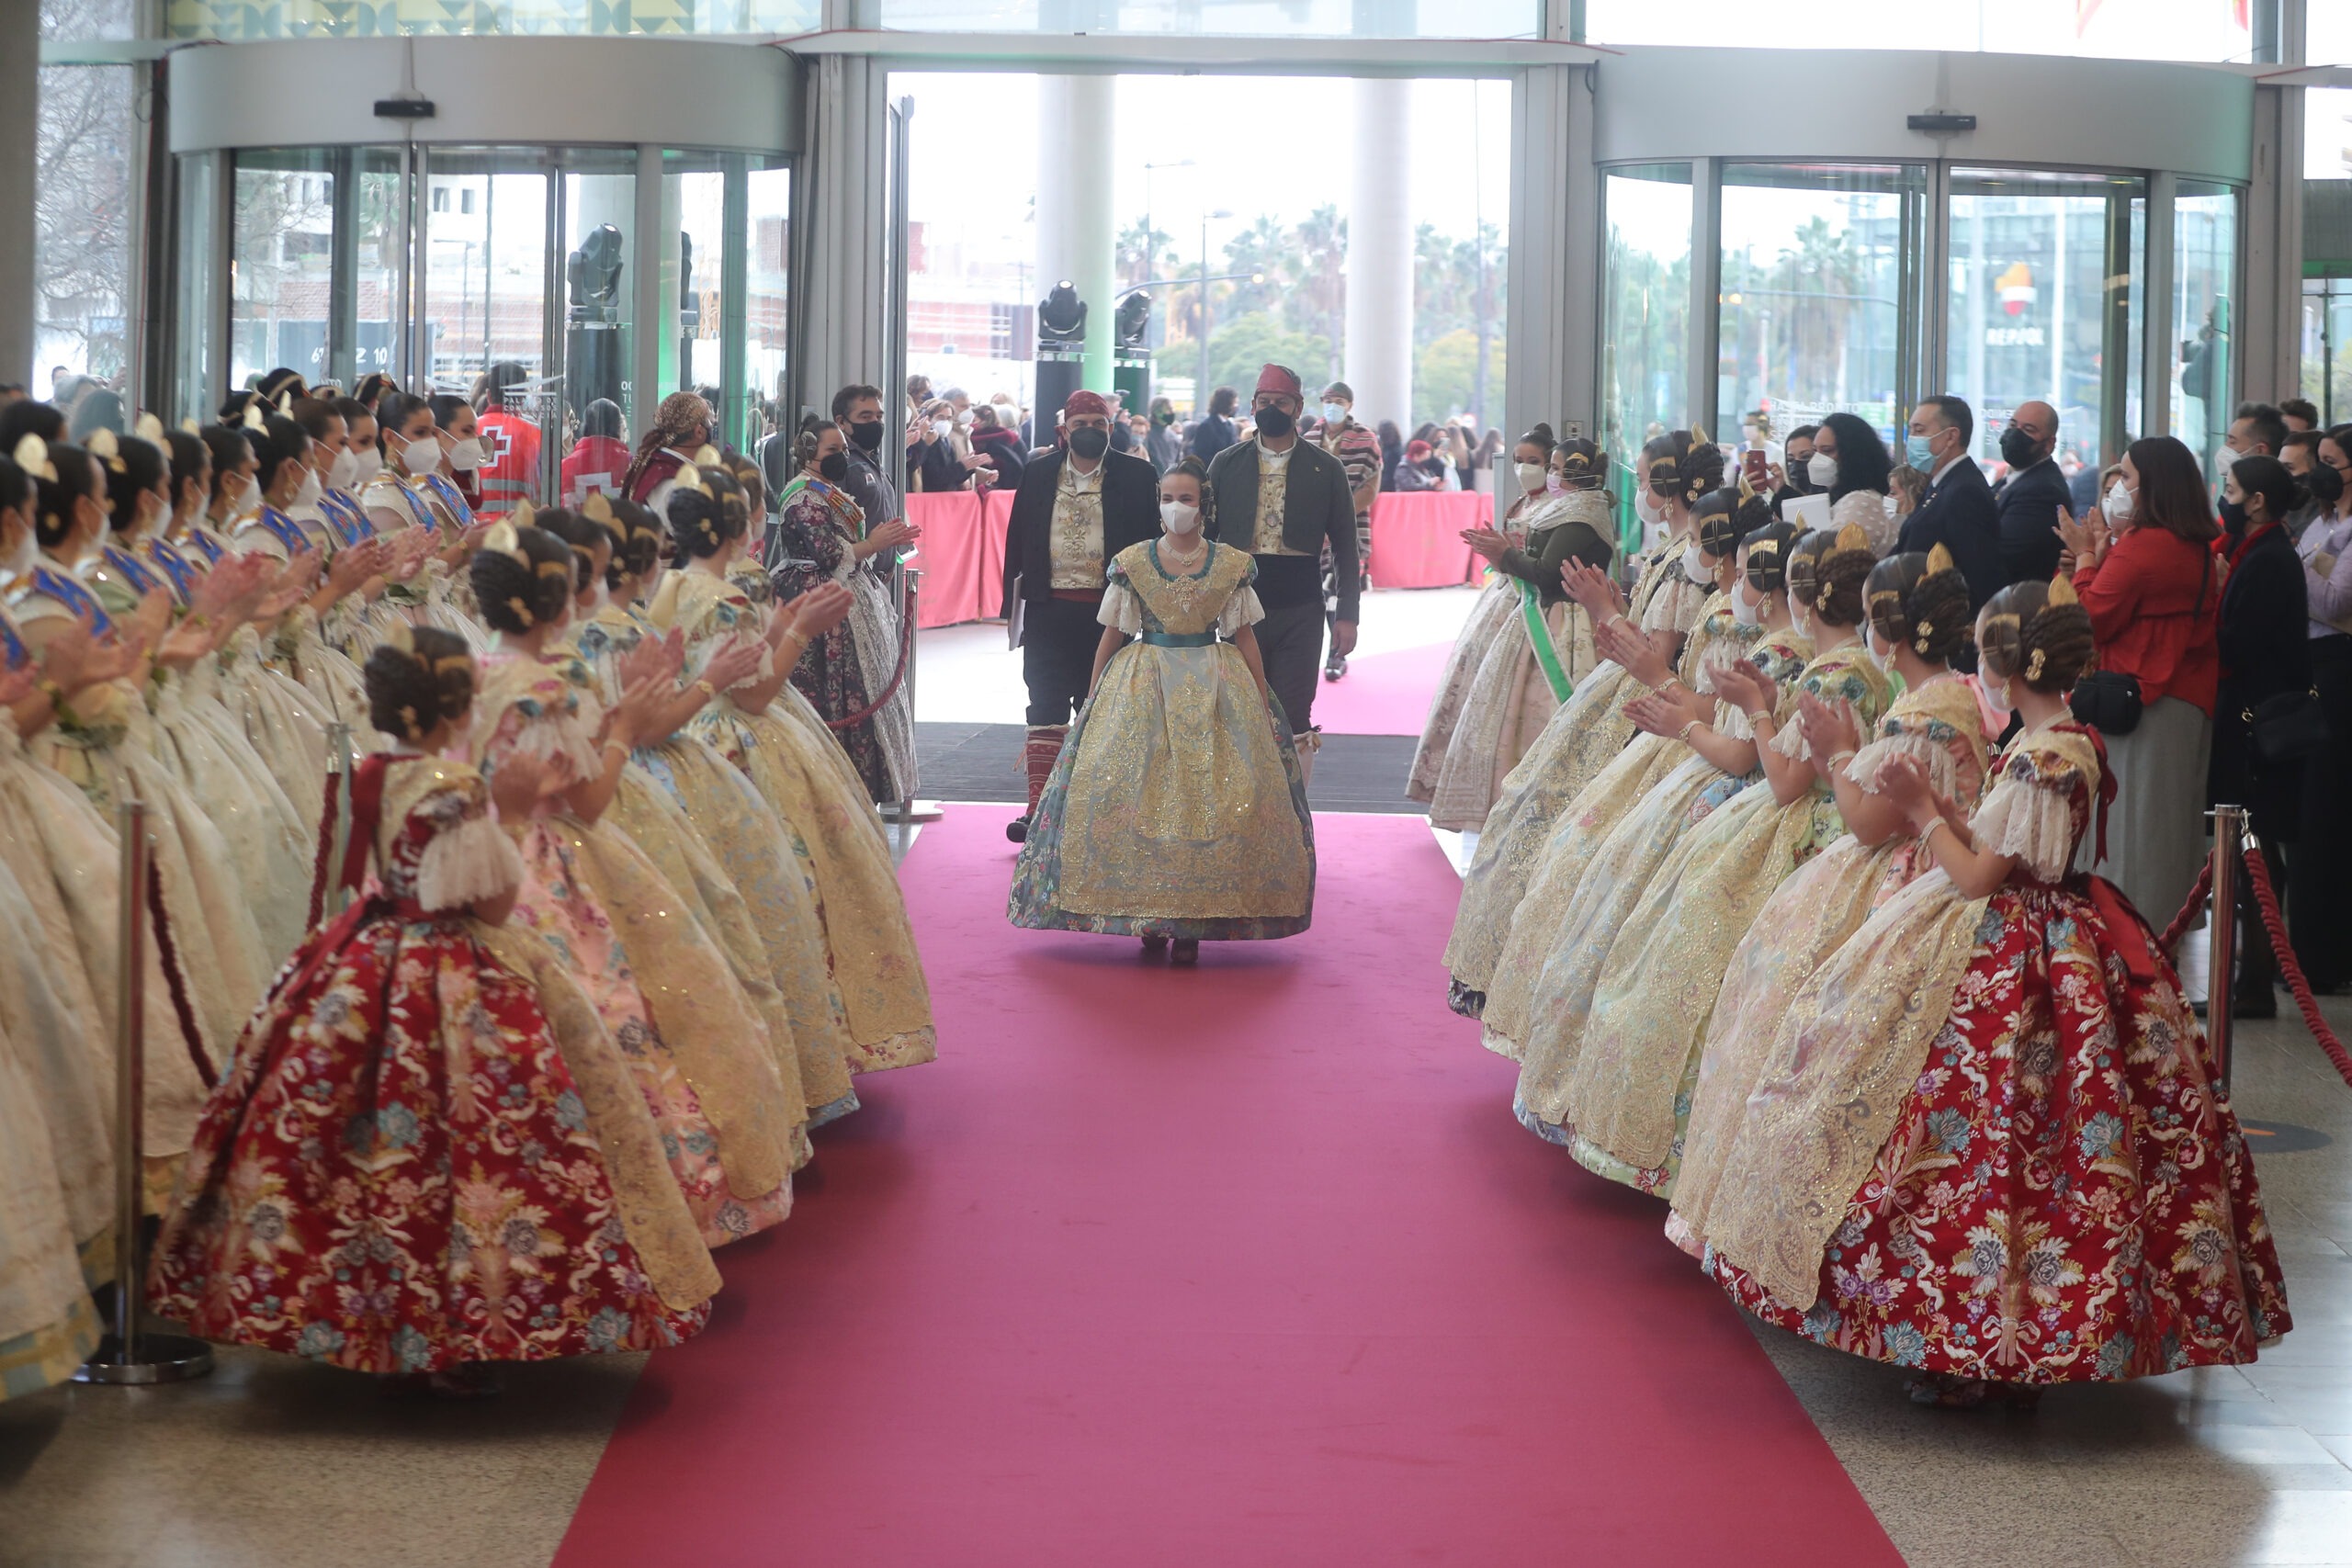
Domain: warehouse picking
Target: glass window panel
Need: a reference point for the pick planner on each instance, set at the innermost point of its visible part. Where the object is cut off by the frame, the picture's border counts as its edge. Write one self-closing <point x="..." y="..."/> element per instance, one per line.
<point x="281" y="263"/>
<point x="2327" y="132"/>
<point x="1812" y="315"/>
<point x="242" y="20"/>
<point x="2204" y="285"/>
<point x="1646" y="334"/>
<point x="2327" y="347"/>
<point x="196" y="288"/>
<point x="1247" y="18"/>
<point x="80" y="20"/>
<point x="767" y="287"/>
<point x="2045" y="289"/>
<point x="485" y="269"/>
<point x="379" y="258"/>
<point x="83" y="207"/>
<point x="597" y="403"/>
<point x="2116" y="29"/>
<point x="693" y="207"/>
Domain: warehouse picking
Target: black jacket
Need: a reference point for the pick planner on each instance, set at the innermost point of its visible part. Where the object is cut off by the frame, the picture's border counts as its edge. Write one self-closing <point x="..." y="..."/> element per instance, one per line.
<point x="1130" y="515"/>
<point x="2028" y="502"/>
<point x="1210" y="436"/>
<point x="1959" y="514"/>
<point x="2266" y="651"/>
<point x="1317" y="509"/>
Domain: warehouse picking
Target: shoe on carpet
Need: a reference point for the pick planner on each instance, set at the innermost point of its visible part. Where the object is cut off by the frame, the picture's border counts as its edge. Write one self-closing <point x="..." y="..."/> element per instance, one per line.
<point x="1017" y="829"/>
<point x="1335" y="667"/>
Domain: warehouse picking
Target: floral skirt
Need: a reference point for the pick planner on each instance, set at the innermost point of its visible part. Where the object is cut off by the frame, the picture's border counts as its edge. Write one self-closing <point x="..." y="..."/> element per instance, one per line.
<point x="399" y="1175"/>
<point x="2066" y="1195"/>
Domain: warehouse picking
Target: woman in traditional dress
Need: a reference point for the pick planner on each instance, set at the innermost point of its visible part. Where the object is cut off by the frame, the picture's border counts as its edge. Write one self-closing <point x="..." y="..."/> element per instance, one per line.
<point x="1988" y="1146"/>
<point x="1495" y="613"/>
<point x="415" y="488"/>
<point x="766" y="728"/>
<point x="664" y="992"/>
<point x="1917" y="607"/>
<point x="282" y="474"/>
<point x="427" y="1157"/>
<point x="1522" y="679"/>
<point x="1589" y="729"/>
<point x="1688" y="760"/>
<point x="851" y="674"/>
<point x="1177" y="811"/>
<point x="1610" y="1060"/>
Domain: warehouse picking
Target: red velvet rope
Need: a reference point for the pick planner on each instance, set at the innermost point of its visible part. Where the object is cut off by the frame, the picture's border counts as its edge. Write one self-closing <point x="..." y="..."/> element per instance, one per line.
<point x="2188" y="911"/>
<point x="2276" y="924"/>
<point x="173" y="981"/>
<point x="319" y="871"/>
<point x="906" y="647"/>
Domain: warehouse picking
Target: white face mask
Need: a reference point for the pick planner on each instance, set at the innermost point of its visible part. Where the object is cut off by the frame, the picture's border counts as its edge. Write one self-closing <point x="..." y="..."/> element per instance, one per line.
<point x="942" y="428"/>
<point x="2118" y="503"/>
<point x="1746" y="605"/>
<point x="344" y="471"/>
<point x="310" y="488"/>
<point x="422" y="455"/>
<point x="1180" y="518"/>
<point x="466" y="456"/>
<point x="366" y="465"/>
<point x="1335" y="412"/>
<point x="1997" y="691"/>
<point x="235" y="491"/>
<point x="1878" y="653"/>
<point x="1694" y="563"/>
<point x="1646" y="508"/>
<point x="1822" y="469"/>
<point x="1532" y="477"/>
<point x="24" y="555"/>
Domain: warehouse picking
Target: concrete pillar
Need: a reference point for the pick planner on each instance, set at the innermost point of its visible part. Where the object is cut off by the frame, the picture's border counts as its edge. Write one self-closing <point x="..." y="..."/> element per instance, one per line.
<point x="1380" y="255"/>
<point x="20" y="89"/>
<point x="1075" y="136"/>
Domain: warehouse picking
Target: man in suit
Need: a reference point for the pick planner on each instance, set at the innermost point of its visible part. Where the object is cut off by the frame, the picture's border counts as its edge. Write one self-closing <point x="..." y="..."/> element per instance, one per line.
<point x="1078" y="505"/>
<point x="1958" y="510"/>
<point x="2029" y="498"/>
<point x="1283" y="500"/>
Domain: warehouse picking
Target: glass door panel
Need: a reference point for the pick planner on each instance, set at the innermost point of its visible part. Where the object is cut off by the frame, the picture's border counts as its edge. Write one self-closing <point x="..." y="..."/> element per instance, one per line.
<point x="1646" y="316"/>
<point x="593" y="410"/>
<point x="378" y="260"/>
<point x="693" y="217"/>
<point x="768" y="291"/>
<point x="2204" y="287"/>
<point x="1816" y="291"/>
<point x="280" y="263"/>
<point x="485" y="266"/>
<point x="2044" y="273"/>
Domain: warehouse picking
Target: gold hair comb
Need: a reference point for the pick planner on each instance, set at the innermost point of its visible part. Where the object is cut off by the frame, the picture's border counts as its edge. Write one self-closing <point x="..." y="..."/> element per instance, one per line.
<point x="596" y="508"/>
<point x="149" y="428"/>
<point x="32" y="455"/>
<point x="502" y="540"/>
<point x="1939" y="559"/>
<point x="2062" y="591"/>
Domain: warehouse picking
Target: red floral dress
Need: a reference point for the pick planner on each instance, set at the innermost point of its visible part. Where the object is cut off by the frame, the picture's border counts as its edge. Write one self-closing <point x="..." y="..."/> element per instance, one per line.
<point x="399" y="1172"/>
<point x="2065" y="1195"/>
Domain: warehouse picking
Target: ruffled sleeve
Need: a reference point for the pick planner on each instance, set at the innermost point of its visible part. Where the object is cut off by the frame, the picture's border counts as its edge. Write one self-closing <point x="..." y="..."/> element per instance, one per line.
<point x="1121" y="610"/>
<point x="1241" y="610"/>
<point x="1922" y="745"/>
<point x="2030" y="813"/>
<point x="1677" y="605"/>
<point x="529" y="708"/>
<point x="468" y="860"/>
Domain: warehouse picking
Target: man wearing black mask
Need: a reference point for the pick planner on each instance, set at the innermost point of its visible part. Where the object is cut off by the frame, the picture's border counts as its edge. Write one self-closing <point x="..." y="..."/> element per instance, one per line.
<point x="1283" y="500"/>
<point x="858" y="410"/>
<point x="1076" y="507"/>
<point x="2030" y="497"/>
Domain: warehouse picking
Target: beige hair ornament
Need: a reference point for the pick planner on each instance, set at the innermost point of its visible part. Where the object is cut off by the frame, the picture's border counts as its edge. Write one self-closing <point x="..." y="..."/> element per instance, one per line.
<point x="253" y="415"/>
<point x="149" y="428"/>
<point x="32" y="455"/>
<point x="502" y="540"/>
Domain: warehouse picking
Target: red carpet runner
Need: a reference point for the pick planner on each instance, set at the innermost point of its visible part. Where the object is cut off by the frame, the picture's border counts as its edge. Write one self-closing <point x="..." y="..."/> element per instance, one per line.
<point x="1245" y="1265"/>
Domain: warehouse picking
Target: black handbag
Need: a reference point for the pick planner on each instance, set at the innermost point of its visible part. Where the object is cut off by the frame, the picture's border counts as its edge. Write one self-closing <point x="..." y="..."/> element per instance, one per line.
<point x="2288" y="728"/>
<point x="2107" y="700"/>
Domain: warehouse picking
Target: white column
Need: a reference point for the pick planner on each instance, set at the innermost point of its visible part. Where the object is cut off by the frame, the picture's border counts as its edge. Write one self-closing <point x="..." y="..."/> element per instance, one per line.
<point x="1074" y="229"/>
<point x="1380" y="255"/>
<point x="20" y="85"/>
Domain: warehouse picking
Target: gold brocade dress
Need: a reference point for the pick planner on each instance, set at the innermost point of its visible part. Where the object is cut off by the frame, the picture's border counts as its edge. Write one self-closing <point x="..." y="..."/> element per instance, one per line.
<point x="1808" y="917"/>
<point x="661" y="985"/>
<point x="1176" y="807"/>
<point x="1612" y="1081"/>
<point x="1614" y="837"/>
<point x="805" y="778"/>
<point x="1584" y="736"/>
<point x="686" y="845"/>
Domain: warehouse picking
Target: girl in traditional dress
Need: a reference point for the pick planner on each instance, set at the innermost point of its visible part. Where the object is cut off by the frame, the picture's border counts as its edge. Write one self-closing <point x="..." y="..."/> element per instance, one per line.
<point x="1988" y="1146"/>
<point x="1917" y="607"/>
<point x="1177" y="810"/>
<point x="662" y="990"/>
<point x="427" y="1156"/>
<point x="753" y="844"/>
<point x="1590" y="729"/>
<point x="852" y="672"/>
<point x="1521" y="678"/>
<point x="1690" y="758"/>
<point x="1609" y="1062"/>
<point x="766" y="728"/>
<point x="283" y="473"/>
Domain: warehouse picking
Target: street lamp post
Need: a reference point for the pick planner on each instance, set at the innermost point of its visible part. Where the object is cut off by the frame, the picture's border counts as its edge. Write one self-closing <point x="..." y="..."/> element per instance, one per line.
<point x="1201" y="387"/>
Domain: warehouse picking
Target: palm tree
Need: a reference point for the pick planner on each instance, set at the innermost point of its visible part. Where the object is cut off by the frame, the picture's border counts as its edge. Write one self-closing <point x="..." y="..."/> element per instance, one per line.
<point x="1321" y="298"/>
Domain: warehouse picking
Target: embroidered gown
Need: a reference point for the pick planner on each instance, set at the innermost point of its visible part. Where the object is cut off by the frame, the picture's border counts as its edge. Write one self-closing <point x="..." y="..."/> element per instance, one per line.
<point x="299" y="645"/>
<point x="1584" y="736"/>
<point x="849" y="666"/>
<point x="1615" y="836"/>
<point x="1176" y="807"/>
<point x="1610" y="1079"/>
<point x="1808" y="918"/>
<point x="407" y="1166"/>
<point x="1508" y="698"/>
<point x="665" y="995"/>
<point x="806" y="779"/>
<point x="1987" y="1142"/>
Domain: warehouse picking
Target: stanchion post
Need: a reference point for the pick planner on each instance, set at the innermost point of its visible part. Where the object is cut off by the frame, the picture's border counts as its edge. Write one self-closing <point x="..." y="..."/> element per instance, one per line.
<point x="125" y="1355"/>
<point x="339" y="759"/>
<point x="910" y="811"/>
<point x="2222" y="930"/>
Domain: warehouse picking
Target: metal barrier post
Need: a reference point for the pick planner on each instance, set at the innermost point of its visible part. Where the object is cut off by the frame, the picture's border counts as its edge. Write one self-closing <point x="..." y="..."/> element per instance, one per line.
<point x="911" y="811"/>
<point x="339" y="759"/>
<point x="126" y="1355"/>
<point x="2222" y="932"/>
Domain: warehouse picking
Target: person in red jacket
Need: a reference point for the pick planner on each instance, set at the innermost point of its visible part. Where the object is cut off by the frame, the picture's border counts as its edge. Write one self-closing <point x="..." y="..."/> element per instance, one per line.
<point x="510" y="445"/>
<point x="596" y="465"/>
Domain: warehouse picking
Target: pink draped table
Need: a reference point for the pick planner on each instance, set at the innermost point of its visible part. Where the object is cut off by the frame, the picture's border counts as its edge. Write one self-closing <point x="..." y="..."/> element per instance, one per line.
<point x="1417" y="537"/>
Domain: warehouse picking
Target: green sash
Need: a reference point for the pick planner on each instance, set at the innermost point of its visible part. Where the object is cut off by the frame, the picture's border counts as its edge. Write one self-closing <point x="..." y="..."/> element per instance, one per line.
<point x="1539" y="637"/>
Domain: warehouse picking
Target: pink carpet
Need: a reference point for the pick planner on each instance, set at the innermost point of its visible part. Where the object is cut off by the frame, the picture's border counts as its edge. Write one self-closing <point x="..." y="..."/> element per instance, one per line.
<point x="1240" y="1266"/>
<point x="1383" y="693"/>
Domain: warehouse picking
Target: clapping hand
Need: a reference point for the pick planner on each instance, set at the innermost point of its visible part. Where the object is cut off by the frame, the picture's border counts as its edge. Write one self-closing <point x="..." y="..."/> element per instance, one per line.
<point x="819" y="610"/>
<point x="1827" y="730"/>
<point x="17" y="683"/>
<point x="1654" y="713"/>
<point x="1747" y="688"/>
<point x="1594" y="589"/>
<point x="1487" y="542"/>
<point x="2086" y="537"/>
<point x="519" y="782"/>
<point x="1632" y="650"/>
<point x="294" y="585"/>
<point x="736" y="661"/>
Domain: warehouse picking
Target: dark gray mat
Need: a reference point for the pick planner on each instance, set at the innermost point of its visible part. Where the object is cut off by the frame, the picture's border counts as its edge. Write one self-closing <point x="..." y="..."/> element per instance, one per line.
<point x="982" y="761"/>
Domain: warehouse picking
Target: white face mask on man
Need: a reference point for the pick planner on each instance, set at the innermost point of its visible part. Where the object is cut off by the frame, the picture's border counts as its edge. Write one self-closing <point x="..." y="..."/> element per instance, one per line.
<point x="1180" y="519"/>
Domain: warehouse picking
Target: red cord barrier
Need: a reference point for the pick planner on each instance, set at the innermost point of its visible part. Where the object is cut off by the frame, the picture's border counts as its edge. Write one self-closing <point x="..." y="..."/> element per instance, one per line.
<point x="2188" y="911"/>
<point x="906" y="647"/>
<point x="2276" y="924"/>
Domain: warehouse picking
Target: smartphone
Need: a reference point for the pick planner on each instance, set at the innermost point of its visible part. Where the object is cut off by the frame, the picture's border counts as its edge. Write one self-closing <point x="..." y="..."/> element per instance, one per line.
<point x="1752" y="462"/>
